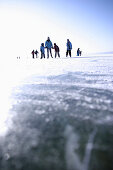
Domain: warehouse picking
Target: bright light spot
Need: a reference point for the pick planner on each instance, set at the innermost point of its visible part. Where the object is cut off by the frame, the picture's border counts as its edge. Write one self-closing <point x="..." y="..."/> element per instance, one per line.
<point x="22" y="31"/>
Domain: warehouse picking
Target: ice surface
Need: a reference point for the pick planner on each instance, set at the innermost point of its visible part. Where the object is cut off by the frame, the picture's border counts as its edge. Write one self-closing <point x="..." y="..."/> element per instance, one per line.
<point x="57" y="114"/>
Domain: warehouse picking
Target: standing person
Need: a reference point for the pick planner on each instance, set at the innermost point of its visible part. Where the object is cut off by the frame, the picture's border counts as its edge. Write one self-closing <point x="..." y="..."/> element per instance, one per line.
<point x="48" y="45"/>
<point x="69" y="48"/>
<point x="36" y="52"/>
<point x="33" y="54"/>
<point x="42" y="49"/>
<point x="78" y="51"/>
<point x="56" y="50"/>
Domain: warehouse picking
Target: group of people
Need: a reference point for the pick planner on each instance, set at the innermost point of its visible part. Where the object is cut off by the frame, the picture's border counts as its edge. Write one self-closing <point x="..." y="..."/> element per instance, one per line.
<point x="34" y="53"/>
<point x="49" y="46"/>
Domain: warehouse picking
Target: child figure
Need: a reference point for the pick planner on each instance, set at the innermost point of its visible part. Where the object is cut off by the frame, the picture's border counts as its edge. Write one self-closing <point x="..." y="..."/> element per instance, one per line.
<point x="42" y="49"/>
<point x="36" y="52"/>
<point x="80" y="53"/>
<point x="56" y="50"/>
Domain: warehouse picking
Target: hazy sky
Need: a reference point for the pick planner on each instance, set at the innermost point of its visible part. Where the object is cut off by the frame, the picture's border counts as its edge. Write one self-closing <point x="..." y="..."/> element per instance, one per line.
<point x="25" y="24"/>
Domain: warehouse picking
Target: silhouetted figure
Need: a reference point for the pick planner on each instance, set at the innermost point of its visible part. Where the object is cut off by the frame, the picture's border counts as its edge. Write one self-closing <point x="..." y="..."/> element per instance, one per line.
<point x="42" y="49"/>
<point x="33" y="54"/>
<point x="48" y="45"/>
<point x="69" y="48"/>
<point x="56" y="50"/>
<point x="36" y="52"/>
<point x="78" y="51"/>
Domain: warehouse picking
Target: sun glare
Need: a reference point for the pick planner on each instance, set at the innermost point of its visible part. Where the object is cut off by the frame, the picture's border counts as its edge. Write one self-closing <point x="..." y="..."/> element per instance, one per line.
<point x="22" y="31"/>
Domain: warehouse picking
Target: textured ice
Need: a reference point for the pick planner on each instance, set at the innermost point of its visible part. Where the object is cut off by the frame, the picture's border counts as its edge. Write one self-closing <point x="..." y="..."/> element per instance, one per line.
<point x="57" y="114"/>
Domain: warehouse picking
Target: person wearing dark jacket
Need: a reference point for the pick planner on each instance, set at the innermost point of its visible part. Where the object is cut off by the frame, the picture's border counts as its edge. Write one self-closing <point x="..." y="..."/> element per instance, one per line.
<point x="33" y="54"/>
<point x="36" y="52"/>
<point x="78" y="51"/>
<point x="56" y="50"/>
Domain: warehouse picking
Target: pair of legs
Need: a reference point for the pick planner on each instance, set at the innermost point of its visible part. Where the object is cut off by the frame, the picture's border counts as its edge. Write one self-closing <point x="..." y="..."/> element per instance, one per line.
<point x="49" y="50"/>
<point x="57" y="53"/>
<point x="42" y="55"/>
<point x="68" y="52"/>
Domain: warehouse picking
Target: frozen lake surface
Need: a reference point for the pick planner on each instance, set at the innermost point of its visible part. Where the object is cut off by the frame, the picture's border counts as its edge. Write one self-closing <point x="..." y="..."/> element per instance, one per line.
<point x="57" y="114"/>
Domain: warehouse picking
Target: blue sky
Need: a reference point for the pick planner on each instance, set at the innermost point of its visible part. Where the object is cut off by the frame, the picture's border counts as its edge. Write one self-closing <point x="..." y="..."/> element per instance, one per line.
<point x="87" y="23"/>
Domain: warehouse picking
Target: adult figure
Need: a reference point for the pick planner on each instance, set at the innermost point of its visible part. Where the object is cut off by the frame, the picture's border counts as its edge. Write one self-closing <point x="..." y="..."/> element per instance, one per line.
<point x="48" y="45"/>
<point x="69" y="48"/>
<point x="42" y="49"/>
<point x="56" y="50"/>
<point x="78" y="51"/>
<point x="33" y="54"/>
